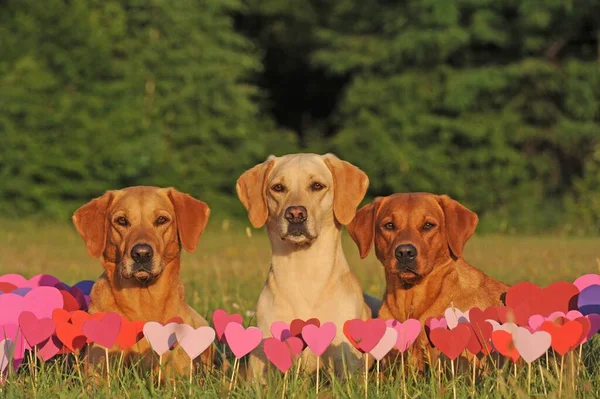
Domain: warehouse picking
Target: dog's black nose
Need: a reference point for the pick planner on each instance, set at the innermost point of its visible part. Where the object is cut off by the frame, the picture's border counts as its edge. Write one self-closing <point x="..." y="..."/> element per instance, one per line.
<point x="406" y="252"/>
<point x="296" y="214"/>
<point x="142" y="253"/>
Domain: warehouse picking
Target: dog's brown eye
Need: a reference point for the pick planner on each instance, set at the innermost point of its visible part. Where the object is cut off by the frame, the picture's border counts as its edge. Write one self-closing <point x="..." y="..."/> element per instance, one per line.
<point x="122" y="221"/>
<point x="317" y="186"/>
<point x="428" y="226"/>
<point x="389" y="226"/>
<point x="161" y="220"/>
<point x="279" y="188"/>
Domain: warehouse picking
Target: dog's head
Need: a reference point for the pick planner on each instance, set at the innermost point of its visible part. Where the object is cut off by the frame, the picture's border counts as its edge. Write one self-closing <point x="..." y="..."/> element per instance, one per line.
<point x="296" y="195"/>
<point x="141" y="229"/>
<point x="413" y="233"/>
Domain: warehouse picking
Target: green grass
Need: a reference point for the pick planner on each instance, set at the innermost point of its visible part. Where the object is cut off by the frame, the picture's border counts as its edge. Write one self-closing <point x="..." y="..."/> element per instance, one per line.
<point x="228" y="271"/>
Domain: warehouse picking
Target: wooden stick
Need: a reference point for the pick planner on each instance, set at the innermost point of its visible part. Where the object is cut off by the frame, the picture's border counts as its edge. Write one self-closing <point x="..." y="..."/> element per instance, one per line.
<point x="403" y="375"/>
<point x="318" y="364"/>
<point x="107" y="367"/>
<point x="453" y="379"/>
<point x="237" y="373"/>
<point x="439" y="372"/>
<point x="159" y="369"/>
<point x="572" y="357"/>
<point x="529" y="379"/>
<point x="515" y="368"/>
<point x="377" y="377"/>
<point x="579" y="362"/>
<point x="473" y="377"/>
<point x="560" y="377"/>
<point x="298" y="367"/>
<point x="543" y="381"/>
<point x="285" y="382"/>
<point x="366" y="374"/>
<point x="235" y="362"/>
<point x="191" y="373"/>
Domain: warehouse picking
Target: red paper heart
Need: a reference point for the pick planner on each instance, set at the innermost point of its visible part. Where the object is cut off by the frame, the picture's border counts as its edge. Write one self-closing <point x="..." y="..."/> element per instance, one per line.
<point x="297" y="325"/>
<point x="220" y="320"/>
<point x="477" y="315"/>
<point x="60" y="315"/>
<point x="504" y="344"/>
<point x="451" y="342"/>
<point x="35" y="330"/>
<point x="70" y="335"/>
<point x="506" y="315"/>
<point x="70" y="304"/>
<point x="364" y="335"/>
<point x="131" y="332"/>
<point x="586" y="325"/>
<point x="104" y="332"/>
<point x="528" y="299"/>
<point x="481" y="335"/>
<point x="565" y="337"/>
<point x="7" y="287"/>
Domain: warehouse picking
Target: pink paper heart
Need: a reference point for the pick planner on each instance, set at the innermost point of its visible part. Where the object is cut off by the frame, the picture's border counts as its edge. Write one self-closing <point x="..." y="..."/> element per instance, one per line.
<point x="35" y="330"/>
<point x="536" y="321"/>
<point x="318" y="339"/>
<point x="40" y="301"/>
<point x="432" y="323"/>
<point x="296" y="346"/>
<point x="105" y="331"/>
<point x="280" y="330"/>
<point x="531" y="346"/>
<point x="40" y="280"/>
<point x="278" y="353"/>
<point x="407" y="332"/>
<point x="455" y="316"/>
<point x="161" y="338"/>
<point x="242" y="341"/>
<point x="194" y="341"/>
<point x="13" y="333"/>
<point x="7" y="348"/>
<point x="49" y="348"/>
<point x="584" y="281"/>
<point x="385" y="345"/>
<point x="366" y="333"/>
<point x="570" y="315"/>
<point x="221" y="319"/>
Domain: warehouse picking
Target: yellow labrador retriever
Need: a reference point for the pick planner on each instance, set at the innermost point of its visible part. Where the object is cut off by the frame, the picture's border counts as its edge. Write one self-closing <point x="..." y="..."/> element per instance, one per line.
<point x="304" y="200"/>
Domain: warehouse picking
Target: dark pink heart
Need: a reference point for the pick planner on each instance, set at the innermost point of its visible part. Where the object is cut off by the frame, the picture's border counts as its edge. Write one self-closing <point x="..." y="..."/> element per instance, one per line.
<point x="365" y="334"/>
<point x="35" y="330"/>
<point x="220" y="320"/>
<point x="40" y="301"/>
<point x="49" y="348"/>
<point x="105" y="331"/>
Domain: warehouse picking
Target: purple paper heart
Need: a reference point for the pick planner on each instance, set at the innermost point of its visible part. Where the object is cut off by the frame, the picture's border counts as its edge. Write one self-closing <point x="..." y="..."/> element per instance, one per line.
<point x="79" y="297"/>
<point x="594" y="325"/>
<point x="85" y="286"/>
<point x="588" y="300"/>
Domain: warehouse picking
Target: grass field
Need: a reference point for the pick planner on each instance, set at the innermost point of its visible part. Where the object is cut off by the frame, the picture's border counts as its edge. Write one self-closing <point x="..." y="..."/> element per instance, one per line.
<point x="228" y="270"/>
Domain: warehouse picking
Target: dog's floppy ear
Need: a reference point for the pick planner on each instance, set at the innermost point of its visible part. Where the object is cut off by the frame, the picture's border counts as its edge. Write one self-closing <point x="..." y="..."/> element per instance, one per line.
<point x="251" y="189"/>
<point x="362" y="227"/>
<point x="91" y="222"/>
<point x="460" y="224"/>
<point x="192" y="216"/>
<point x="349" y="187"/>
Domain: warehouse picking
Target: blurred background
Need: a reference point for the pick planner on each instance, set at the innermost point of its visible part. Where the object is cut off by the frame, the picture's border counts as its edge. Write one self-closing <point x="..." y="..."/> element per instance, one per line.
<point x="494" y="102"/>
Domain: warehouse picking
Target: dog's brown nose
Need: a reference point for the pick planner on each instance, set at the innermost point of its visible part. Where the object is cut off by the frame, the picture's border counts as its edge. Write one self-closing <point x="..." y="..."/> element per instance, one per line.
<point x="142" y="253"/>
<point x="296" y="214"/>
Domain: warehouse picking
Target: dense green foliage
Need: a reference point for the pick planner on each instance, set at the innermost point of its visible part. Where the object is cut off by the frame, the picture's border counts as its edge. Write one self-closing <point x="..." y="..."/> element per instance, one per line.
<point x="496" y="103"/>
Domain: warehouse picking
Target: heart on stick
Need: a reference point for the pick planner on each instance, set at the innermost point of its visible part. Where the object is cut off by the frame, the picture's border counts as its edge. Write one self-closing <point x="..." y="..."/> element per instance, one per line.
<point x="318" y="338"/>
<point x="297" y="325"/>
<point x="385" y="344"/>
<point x="585" y="281"/>
<point x="161" y="338"/>
<point x="221" y="319"/>
<point x="278" y="353"/>
<point x="40" y="280"/>
<point x="103" y="332"/>
<point x="481" y="335"/>
<point x="36" y="330"/>
<point x="49" y="348"/>
<point x="296" y="346"/>
<point x="7" y="349"/>
<point x="131" y="333"/>
<point x="594" y="325"/>
<point x="194" y="341"/>
<point x="588" y="300"/>
<point x="455" y="316"/>
<point x="40" y="301"/>
<point x="242" y="340"/>
<point x="70" y="304"/>
<point x="408" y="332"/>
<point x="531" y="346"/>
<point x="280" y="330"/>
<point x="451" y="342"/>
<point x="564" y="337"/>
<point x="477" y="315"/>
<point x="504" y="344"/>
<point x="71" y="336"/>
<point x="364" y="335"/>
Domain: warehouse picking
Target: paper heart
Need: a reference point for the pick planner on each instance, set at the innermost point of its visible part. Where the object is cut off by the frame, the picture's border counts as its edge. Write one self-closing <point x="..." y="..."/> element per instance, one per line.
<point x="130" y="333"/>
<point x="432" y="323"/>
<point x="455" y="316"/>
<point x="49" y="348"/>
<point x="7" y="288"/>
<point x="565" y="337"/>
<point x="527" y="299"/>
<point x="70" y="304"/>
<point x="296" y="346"/>
<point x="365" y="335"/>
<point x="536" y="321"/>
<point x="161" y="338"/>
<point x="22" y="291"/>
<point x="7" y="348"/>
<point x="79" y="297"/>
<point x="481" y="335"/>
<point x="504" y="344"/>
<point x="588" y="300"/>
<point x="278" y="353"/>
<point x="12" y="332"/>
<point x="221" y="319"/>
<point x="280" y="330"/>
<point x="583" y="282"/>
<point x="61" y="316"/>
<point x="35" y="330"/>
<point x="451" y="342"/>
<point x="85" y="286"/>
<point x="318" y="338"/>
<point x="531" y="346"/>
<point x="194" y="341"/>
<point x="40" y="301"/>
<point x="508" y="327"/>
<point x="477" y="315"/>
<point x="40" y="280"/>
<point x="103" y="332"/>
<point x="570" y="315"/>
<point x="242" y="341"/>
<point x="386" y="343"/>
<point x="586" y="325"/>
<point x="70" y="335"/>
<point x="407" y="332"/>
